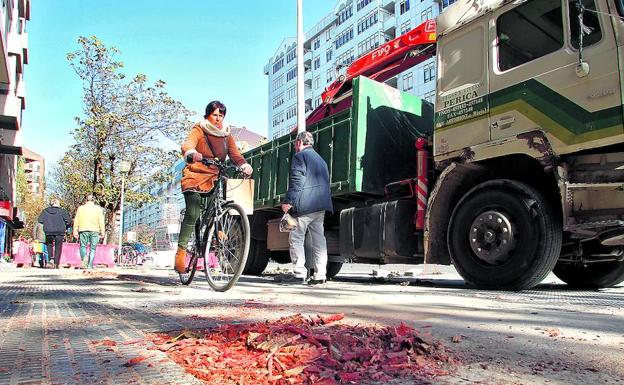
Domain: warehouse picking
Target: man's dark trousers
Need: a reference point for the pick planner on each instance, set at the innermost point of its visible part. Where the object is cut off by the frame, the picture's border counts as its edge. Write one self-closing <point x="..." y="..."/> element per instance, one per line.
<point x="57" y="241"/>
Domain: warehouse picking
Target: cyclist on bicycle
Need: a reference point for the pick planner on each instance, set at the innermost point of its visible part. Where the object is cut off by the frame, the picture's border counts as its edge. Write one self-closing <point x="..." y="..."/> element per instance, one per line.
<point x="209" y="138"/>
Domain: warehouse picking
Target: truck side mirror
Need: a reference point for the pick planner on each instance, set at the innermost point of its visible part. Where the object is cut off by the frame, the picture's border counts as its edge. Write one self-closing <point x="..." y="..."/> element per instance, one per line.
<point x="582" y="67"/>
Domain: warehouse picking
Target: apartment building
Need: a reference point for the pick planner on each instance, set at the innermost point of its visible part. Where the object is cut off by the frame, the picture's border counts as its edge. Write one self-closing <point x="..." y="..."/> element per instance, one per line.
<point x="34" y="167"/>
<point x="352" y="29"/>
<point x="14" y="14"/>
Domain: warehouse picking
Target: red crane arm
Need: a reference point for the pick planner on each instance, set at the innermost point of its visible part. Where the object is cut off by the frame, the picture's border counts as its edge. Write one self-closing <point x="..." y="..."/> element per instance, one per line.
<point x="380" y="64"/>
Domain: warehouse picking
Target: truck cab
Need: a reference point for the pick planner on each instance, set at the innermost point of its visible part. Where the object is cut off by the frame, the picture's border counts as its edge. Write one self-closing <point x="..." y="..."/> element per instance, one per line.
<point x="528" y="142"/>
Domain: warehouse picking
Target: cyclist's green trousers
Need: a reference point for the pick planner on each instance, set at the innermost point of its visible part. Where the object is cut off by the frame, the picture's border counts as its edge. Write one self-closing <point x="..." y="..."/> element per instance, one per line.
<point x="193" y="201"/>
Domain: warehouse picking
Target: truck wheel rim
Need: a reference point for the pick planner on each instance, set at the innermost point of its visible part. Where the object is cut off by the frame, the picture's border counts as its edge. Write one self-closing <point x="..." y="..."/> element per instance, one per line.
<point x="492" y="237"/>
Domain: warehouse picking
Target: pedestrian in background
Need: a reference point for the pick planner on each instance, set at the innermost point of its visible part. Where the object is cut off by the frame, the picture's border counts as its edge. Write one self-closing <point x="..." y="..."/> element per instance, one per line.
<point x="307" y="199"/>
<point x="55" y="222"/>
<point x="88" y="227"/>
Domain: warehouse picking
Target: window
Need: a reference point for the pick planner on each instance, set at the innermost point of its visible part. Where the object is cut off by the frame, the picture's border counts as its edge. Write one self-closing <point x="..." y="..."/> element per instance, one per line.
<point x="328" y="55"/>
<point x="279" y="63"/>
<point x="291" y="112"/>
<point x="426" y="15"/>
<point x="404" y="6"/>
<point x="291" y="55"/>
<point x="317" y="82"/>
<point x="592" y="33"/>
<point x="317" y="63"/>
<point x="363" y="3"/>
<point x="278" y="100"/>
<point x="446" y="3"/>
<point x="291" y="93"/>
<point x="367" y="21"/>
<point x="330" y="75"/>
<point x="346" y="58"/>
<point x="344" y="37"/>
<point x="408" y="81"/>
<point x="345" y="13"/>
<point x="528" y="32"/>
<point x="277" y="119"/>
<point x="405" y="27"/>
<point x="291" y="74"/>
<point x="428" y="72"/>
<point x="317" y="43"/>
<point x="278" y="82"/>
<point x="368" y="44"/>
<point x="317" y="102"/>
<point x="429" y="96"/>
<point x="328" y="35"/>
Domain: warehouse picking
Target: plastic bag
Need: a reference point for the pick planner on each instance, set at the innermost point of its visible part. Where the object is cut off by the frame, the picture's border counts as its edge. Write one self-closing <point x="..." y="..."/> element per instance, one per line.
<point x="288" y="223"/>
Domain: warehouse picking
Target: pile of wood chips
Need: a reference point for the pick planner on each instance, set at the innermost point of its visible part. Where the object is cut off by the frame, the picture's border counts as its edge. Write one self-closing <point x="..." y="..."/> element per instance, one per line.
<point x="305" y="350"/>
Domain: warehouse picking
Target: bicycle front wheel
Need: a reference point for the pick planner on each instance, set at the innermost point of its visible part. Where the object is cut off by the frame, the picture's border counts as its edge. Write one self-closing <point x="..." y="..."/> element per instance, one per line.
<point x="228" y="246"/>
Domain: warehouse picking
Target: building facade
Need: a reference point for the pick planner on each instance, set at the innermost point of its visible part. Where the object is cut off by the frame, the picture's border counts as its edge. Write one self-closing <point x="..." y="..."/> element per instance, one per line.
<point x="352" y="29"/>
<point x="34" y="167"/>
<point x="14" y="14"/>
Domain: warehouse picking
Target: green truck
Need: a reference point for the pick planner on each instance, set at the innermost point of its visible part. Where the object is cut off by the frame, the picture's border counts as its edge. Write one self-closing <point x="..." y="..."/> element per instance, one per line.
<point x="519" y="169"/>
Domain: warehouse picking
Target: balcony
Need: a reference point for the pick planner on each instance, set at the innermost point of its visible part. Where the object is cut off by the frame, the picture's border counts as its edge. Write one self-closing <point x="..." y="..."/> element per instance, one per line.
<point x="307" y="78"/>
<point x="388" y="5"/>
<point x="389" y="25"/>
<point x="10" y="111"/>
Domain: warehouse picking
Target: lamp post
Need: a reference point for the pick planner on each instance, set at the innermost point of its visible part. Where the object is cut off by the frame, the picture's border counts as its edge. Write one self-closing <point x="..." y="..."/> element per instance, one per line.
<point x="124" y="167"/>
<point x="300" y="70"/>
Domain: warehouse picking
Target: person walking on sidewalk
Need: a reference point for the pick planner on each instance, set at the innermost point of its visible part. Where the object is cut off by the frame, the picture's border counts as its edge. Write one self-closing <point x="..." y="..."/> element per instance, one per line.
<point x="307" y="199"/>
<point x="88" y="226"/>
<point x="55" y="222"/>
<point x="209" y="138"/>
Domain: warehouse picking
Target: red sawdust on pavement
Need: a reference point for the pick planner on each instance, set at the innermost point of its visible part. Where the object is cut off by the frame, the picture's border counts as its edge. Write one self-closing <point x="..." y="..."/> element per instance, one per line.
<point x="300" y="350"/>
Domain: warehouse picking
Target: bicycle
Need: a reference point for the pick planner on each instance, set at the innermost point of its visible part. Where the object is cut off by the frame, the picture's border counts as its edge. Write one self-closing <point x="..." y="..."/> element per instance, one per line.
<point x="221" y="237"/>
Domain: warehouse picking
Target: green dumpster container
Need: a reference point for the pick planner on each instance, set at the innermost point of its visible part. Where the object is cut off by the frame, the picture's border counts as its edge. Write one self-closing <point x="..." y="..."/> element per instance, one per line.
<point x="365" y="146"/>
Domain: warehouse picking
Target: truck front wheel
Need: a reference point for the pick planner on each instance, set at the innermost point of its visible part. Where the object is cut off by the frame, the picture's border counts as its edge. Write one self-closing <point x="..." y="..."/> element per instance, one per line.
<point x="591" y="276"/>
<point x="503" y="234"/>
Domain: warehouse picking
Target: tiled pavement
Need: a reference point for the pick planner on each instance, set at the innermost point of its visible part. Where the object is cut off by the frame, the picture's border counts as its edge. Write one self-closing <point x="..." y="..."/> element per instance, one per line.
<point x="52" y="324"/>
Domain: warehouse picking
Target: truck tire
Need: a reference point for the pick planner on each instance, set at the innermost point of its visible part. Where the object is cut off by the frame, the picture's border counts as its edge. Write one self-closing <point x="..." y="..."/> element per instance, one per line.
<point x="333" y="268"/>
<point x="257" y="259"/>
<point x="591" y="276"/>
<point x="503" y="234"/>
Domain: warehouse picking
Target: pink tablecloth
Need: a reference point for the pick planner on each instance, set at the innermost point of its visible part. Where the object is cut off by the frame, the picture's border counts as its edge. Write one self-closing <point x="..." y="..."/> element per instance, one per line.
<point x="103" y="255"/>
<point x="212" y="261"/>
<point x="22" y="254"/>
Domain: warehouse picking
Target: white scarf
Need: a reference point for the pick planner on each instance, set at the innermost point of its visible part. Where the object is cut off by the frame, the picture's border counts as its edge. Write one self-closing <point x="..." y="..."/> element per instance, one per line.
<point x="213" y="130"/>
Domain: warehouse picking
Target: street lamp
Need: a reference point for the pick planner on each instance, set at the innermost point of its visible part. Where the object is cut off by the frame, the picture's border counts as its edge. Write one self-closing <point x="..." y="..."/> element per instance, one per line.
<point x="300" y="70"/>
<point x="124" y="167"/>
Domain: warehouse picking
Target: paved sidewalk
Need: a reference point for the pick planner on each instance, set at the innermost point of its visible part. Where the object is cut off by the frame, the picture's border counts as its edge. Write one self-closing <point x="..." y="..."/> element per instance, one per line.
<point x="52" y="323"/>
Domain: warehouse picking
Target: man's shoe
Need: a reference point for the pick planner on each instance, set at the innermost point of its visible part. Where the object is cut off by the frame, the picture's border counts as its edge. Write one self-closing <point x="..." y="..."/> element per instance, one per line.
<point x="316" y="282"/>
<point x="180" y="261"/>
<point x="289" y="279"/>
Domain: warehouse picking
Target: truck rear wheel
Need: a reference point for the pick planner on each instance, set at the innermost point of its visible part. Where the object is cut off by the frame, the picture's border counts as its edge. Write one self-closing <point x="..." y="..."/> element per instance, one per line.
<point x="503" y="234"/>
<point x="257" y="259"/>
<point x="333" y="268"/>
<point x="592" y="275"/>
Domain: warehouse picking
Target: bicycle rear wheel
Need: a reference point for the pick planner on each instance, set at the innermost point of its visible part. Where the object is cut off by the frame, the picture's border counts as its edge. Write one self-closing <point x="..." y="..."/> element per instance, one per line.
<point x="228" y="246"/>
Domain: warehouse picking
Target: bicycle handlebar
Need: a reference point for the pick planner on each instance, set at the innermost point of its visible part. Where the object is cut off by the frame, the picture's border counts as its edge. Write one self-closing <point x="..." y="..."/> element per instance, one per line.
<point x="221" y="165"/>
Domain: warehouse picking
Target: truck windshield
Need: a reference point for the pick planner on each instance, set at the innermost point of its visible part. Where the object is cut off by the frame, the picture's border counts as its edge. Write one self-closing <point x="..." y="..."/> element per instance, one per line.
<point x="620" y="6"/>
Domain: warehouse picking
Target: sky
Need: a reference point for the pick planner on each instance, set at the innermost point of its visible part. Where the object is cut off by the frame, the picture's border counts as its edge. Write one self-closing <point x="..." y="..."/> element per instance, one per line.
<point x="203" y="49"/>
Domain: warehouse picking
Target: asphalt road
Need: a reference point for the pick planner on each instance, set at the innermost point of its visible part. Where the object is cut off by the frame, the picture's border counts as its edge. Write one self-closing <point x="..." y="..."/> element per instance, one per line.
<point x="548" y="335"/>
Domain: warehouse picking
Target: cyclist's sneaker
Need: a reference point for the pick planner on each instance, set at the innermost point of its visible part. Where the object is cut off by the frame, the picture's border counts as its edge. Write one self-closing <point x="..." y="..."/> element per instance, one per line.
<point x="313" y="282"/>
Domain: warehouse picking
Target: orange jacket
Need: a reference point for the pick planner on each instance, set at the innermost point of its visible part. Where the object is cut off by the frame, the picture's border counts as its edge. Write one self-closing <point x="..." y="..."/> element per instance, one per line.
<point x="196" y="176"/>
